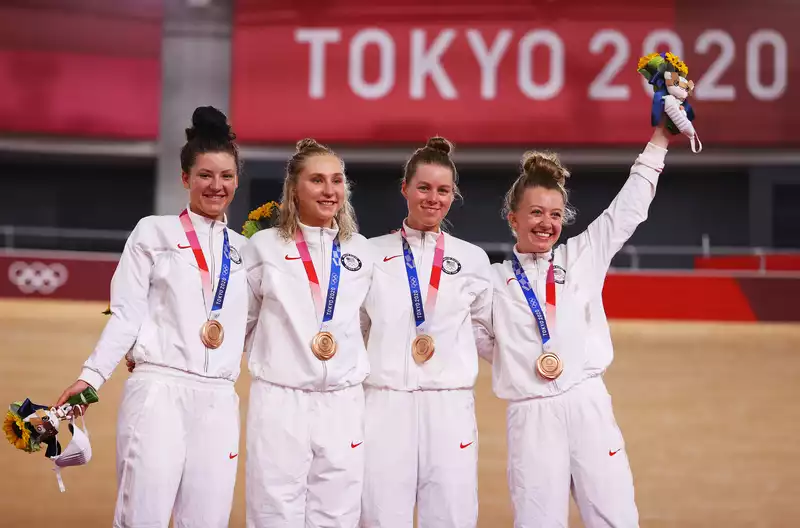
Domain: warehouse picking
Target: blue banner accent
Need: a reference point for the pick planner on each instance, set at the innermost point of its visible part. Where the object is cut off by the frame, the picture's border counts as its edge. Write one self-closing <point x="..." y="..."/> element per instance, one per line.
<point x="530" y="296"/>
<point x="413" y="283"/>
<point x="224" y="273"/>
<point x="333" y="283"/>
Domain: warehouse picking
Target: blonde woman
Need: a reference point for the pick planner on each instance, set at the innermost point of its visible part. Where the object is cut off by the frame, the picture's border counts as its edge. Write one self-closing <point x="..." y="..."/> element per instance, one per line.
<point x="305" y="426"/>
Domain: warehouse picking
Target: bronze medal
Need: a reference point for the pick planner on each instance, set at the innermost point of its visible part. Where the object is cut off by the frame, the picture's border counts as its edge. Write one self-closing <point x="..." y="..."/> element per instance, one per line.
<point x="323" y="346"/>
<point x="212" y="334"/>
<point x="422" y="348"/>
<point x="549" y="365"/>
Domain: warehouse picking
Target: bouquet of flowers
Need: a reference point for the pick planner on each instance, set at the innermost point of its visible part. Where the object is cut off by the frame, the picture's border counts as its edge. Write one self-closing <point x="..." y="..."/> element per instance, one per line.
<point x="260" y="218"/>
<point x="667" y="74"/>
<point x="28" y="425"/>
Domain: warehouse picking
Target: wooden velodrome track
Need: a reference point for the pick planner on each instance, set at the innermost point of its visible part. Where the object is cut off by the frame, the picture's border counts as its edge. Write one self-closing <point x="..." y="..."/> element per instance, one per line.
<point x="710" y="413"/>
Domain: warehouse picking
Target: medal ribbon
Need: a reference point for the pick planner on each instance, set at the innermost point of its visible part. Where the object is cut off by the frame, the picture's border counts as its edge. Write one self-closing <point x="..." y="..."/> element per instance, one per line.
<point x="313" y="281"/>
<point x="533" y="302"/>
<point x="413" y="280"/>
<point x="205" y="276"/>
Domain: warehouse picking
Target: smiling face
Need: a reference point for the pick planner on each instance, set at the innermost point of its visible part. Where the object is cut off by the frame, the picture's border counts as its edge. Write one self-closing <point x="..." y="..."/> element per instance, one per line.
<point x="538" y="219"/>
<point x="320" y="190"/>
<point x="212" y="183"/>
<point x="429" y="193"/>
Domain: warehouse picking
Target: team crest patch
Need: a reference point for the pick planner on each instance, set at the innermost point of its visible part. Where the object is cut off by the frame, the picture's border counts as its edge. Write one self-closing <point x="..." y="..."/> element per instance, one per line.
<point x="451" y="266"/>
<point x="559" y="274"/>
<point x="351" y="262"/>
<point x="235" y="256"/>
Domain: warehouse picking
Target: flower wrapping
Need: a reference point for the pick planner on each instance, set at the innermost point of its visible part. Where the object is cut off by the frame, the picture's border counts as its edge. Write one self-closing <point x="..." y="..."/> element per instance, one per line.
<point x="667" y="74"/>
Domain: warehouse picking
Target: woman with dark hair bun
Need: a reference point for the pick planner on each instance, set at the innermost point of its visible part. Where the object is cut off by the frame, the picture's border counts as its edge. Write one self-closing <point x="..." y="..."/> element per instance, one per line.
<point x="179" y="300"/>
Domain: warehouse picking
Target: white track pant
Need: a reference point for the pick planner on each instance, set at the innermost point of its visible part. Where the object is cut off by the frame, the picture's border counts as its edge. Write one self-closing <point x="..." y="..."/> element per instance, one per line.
<point x="569" y="441"/>
<point x="305" y="461"/>
<point x="422" y="447"/>
<point x="177" y="447"/>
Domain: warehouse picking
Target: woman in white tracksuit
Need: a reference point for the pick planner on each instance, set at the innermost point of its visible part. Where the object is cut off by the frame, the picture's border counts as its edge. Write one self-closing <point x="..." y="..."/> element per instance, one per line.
<point x="421" y="435"/>
<point x="179" y="306"/>
<point x="305" y="423"/>
<point x="561" y="426"/>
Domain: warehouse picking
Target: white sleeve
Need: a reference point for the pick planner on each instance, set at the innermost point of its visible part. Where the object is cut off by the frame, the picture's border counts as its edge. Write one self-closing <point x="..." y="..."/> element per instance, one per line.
<point x="481" y="309"/>
<point x="366" y="324"/>
<point x="606" y="235"/>
<point x="364" y="318"/>
<point x="255" y="269"/>
<point x="130" y="287"/>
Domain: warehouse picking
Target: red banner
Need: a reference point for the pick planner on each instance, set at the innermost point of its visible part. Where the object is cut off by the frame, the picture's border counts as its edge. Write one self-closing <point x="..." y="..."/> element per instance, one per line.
<point x="81" y="72"/>
<point x="498" y="74"/>
<point x="57" y="275"/>
<point x="678" y="296"/>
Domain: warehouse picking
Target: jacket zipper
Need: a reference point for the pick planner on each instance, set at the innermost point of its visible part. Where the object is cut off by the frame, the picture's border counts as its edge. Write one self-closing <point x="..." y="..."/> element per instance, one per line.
<point x="213" y="265"/>
<point x="322" y="267"/>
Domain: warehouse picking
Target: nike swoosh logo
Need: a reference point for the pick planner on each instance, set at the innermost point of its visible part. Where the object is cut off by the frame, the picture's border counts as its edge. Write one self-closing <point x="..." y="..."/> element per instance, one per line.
<point x="355" y="445"/>
<point x="387" y="259"/>
<point x="232" y="456"/>
<point x="183" y="247"/>
<point x="287" y="257"/>
<point x="509" y="280"/>
<point x="464" y="446"/>
<point x="612" y="453"/>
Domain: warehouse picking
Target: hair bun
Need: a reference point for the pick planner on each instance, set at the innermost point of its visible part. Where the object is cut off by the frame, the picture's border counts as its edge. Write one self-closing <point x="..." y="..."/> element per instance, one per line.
<point x="307" y="144"/>
<point x="440" y="144"/>
<point x="544" y="164"/>
<point x="210" y="123"/>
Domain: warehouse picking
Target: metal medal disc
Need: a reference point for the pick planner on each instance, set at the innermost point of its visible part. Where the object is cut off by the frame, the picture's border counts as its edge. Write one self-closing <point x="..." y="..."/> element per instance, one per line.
<point x="323" y="346"/>
<point x="549" y="365"/>
<point x="212" y="334"/>
<point x="422" y="348"/>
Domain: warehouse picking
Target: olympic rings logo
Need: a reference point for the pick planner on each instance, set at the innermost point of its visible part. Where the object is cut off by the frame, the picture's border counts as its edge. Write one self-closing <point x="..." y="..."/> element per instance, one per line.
<point x="37" y="277"/>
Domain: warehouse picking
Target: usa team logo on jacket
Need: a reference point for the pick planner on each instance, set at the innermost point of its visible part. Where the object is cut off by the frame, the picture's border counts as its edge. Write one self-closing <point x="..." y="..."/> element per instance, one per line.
<point x="451" y="266"/>
<point x="235" y="256"/>
<point x="559" y="274"/>
<point x="351" y="262"/>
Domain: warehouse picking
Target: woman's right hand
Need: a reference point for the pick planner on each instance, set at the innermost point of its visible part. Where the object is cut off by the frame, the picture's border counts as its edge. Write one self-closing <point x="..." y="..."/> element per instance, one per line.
<point x="129" y="362"/>
<point x="76" y="388"/>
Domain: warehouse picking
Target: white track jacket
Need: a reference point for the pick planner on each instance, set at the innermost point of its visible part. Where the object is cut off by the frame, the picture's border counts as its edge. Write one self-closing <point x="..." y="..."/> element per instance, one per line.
<point x="582" y="338"/>
<point x="464" y="301"/>
<point x="283" y="318"/>
<point x="157" y="307"/>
